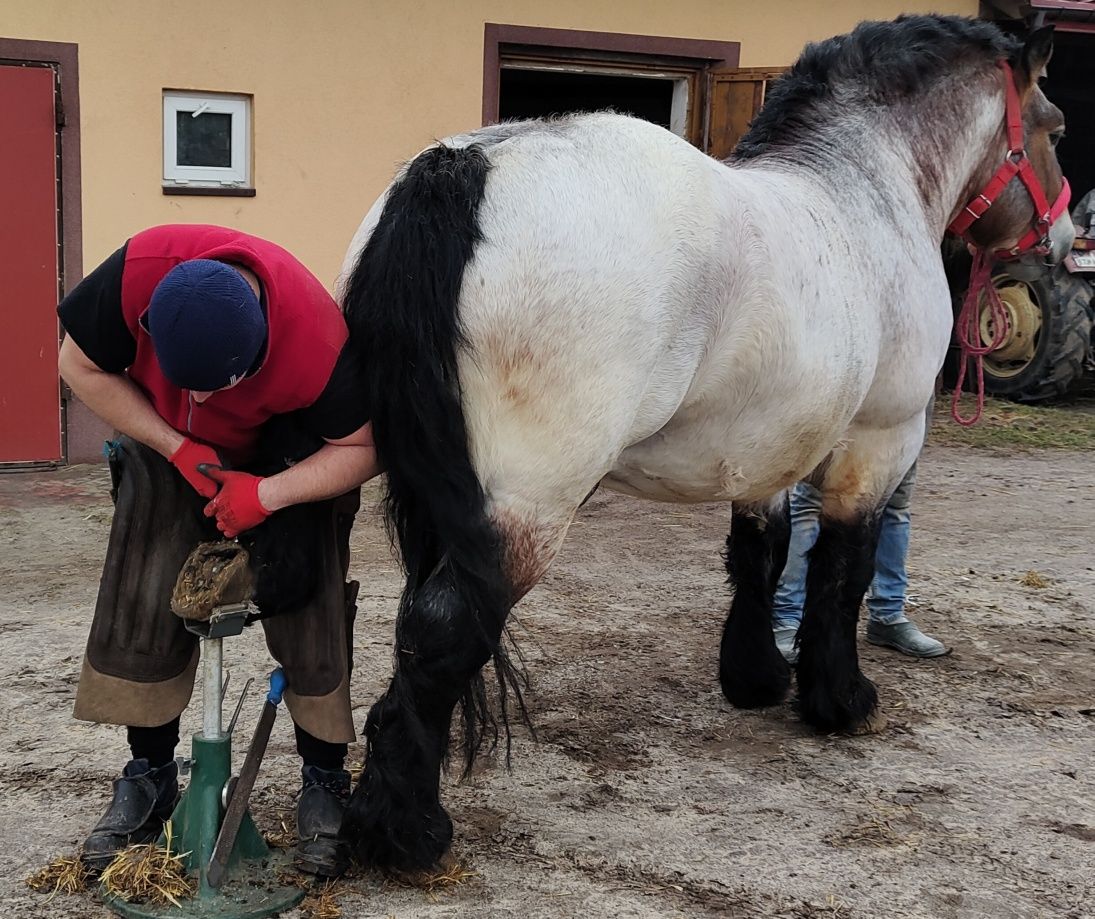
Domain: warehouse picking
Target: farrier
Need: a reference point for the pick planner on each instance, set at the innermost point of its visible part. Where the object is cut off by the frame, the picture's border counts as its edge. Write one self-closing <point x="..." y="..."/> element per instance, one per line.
<point x="226" y="366"/>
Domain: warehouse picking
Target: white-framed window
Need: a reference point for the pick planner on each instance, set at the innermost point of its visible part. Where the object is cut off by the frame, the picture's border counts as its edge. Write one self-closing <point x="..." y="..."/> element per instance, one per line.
<point x="206" y="140"/>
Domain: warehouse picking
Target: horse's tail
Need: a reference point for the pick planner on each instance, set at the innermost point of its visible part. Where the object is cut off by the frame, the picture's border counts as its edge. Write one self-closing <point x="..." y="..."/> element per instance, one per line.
<point x="401" y="304"/>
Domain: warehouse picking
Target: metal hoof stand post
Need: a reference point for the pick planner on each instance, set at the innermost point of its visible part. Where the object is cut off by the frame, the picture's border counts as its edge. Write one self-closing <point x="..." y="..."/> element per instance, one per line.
<point x="211" y="827"/>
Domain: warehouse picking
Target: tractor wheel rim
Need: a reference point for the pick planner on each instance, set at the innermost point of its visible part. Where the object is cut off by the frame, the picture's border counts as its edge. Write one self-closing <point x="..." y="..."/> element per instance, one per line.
<point x="1023" y="325"/>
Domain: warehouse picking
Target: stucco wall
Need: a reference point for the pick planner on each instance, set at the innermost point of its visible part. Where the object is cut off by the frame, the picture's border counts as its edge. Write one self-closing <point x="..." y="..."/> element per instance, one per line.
<point x="344" y="90"/>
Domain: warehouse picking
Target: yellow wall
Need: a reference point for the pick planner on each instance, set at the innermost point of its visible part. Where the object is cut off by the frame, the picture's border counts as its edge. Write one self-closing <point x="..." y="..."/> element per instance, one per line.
<point x="344" y="90"/>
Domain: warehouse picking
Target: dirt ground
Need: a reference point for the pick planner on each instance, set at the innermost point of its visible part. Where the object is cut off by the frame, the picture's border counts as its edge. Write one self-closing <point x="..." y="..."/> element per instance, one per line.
<point x="647" y="795"/>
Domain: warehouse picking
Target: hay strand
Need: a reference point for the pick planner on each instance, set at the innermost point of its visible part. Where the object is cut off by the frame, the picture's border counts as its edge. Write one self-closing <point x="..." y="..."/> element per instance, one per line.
<point x="321" y="902"/>
<point x="281" y="837"/>
<point x="1034" y="579"/>
<point x="148" y="874"/>
<point x="65" y="874"/>
<point x="451" y="874"/>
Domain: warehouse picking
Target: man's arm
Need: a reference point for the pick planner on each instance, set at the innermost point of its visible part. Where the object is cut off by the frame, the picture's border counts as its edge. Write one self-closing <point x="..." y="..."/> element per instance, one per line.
<point x="116" y="399"/>
<point x="334" y="469"/>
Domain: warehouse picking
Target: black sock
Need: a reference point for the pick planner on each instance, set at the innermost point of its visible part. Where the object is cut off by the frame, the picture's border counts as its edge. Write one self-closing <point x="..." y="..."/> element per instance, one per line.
<point x="320" y="753"/>
<point x="157" y="745"/>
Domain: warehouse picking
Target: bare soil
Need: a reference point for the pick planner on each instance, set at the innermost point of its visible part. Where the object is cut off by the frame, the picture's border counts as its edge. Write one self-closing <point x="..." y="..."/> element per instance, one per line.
<point x="646" y="794"/>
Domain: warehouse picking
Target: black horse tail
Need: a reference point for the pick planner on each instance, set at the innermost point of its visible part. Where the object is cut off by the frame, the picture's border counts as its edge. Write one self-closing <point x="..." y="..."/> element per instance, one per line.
<point x="401" y="305"/>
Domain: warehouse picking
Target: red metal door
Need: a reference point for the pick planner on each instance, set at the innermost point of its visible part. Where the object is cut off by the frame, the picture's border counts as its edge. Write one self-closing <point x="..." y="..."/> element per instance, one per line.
<point x="30" y="404"/>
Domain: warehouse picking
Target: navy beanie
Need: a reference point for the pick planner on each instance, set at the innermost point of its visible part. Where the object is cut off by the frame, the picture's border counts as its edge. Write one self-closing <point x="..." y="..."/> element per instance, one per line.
<point x="207" y="325"/>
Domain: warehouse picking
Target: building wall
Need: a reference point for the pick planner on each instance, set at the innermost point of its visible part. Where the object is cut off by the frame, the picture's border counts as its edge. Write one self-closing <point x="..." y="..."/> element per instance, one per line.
<point x="344" y="90"/>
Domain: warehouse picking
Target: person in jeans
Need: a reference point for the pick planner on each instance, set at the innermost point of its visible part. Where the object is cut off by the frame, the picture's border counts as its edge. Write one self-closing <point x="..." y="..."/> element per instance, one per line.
<point x="887" y="625"/>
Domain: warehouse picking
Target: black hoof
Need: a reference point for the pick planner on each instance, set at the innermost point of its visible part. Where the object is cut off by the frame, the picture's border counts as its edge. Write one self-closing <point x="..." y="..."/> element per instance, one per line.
<point x="394" y="835"/>
<point x="850" y="707"/>
<point x="756" y="688"/>
<point x="753" y="675"/>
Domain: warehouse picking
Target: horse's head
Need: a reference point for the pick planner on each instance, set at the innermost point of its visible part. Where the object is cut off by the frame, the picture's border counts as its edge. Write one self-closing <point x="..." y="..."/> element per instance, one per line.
<point x="1021" y="212"/>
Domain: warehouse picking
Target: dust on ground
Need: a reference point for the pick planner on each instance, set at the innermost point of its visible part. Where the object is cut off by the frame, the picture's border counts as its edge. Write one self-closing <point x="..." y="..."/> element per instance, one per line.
<point x="647" y="795"/>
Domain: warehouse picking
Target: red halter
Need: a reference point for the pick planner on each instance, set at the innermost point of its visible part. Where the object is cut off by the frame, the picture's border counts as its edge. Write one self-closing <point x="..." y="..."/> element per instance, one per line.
<point x="1036" y="240"/>
<point x="1015" y="163"/>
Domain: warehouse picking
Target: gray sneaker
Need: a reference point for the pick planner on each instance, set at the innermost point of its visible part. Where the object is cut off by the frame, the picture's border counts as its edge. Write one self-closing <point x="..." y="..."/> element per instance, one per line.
<point x="904" y="637"/>
<point x="785" y="641"/>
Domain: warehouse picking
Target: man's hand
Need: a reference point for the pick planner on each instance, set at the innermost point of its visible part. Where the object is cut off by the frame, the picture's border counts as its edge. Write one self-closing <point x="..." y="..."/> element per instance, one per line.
<point x="188" y="458"/>
<point x="237" y="506"/>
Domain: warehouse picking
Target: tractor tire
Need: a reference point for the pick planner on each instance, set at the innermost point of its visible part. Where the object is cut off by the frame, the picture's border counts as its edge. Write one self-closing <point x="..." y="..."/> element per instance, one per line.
<point x="1049" y="338"/>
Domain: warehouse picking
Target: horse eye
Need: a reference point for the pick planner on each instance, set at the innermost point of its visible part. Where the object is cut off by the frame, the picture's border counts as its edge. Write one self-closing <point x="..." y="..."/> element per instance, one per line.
<point x="1055" y="137"/>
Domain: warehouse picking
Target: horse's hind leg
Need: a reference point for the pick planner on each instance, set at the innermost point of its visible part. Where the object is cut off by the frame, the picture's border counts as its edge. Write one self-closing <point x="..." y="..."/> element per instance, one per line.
<point x="752" y="671"/>
<point x="395" y="816"/>
<point x="448" y="628"/>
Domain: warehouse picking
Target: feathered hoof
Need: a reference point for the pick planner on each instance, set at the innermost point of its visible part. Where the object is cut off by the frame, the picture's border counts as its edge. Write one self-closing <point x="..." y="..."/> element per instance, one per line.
<point x="755" y="687"/>
<point x="399" y="839"/>
<point x="851" y="707"/>
<point x="753" y="674"/>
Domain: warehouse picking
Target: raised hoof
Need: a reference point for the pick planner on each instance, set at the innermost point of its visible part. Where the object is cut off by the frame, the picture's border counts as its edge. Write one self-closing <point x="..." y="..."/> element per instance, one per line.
<point x="847" y="711"/>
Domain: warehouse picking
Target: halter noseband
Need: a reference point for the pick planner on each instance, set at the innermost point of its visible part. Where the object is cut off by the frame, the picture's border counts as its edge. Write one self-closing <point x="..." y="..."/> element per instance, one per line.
<point x="1015" y="163"/>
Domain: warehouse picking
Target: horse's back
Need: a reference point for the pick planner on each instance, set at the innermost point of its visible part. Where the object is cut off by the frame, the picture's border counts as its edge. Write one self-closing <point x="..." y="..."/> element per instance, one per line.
<point x="591" y="299"/>
<point x="630" y="312"/>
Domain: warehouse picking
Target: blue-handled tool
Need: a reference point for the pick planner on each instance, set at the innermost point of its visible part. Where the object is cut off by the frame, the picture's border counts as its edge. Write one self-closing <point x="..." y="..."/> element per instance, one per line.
<point x="278" y="685"/>
<point x="237" y="804"/>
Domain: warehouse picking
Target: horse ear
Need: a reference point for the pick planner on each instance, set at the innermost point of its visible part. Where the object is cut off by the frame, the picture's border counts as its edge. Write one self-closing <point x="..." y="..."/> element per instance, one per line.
<point x="1036" y="53"/>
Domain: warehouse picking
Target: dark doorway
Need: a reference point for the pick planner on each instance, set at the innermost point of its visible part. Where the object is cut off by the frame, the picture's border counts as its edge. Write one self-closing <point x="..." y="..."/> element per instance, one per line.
<point x="540" y="93"/>
<point x="533" y="72"/>
<point x="1068" y="85"/>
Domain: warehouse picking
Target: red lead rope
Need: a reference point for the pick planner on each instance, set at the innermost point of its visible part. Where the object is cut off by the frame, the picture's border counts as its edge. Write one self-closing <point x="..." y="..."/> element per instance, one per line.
<point x="967" y="330"/>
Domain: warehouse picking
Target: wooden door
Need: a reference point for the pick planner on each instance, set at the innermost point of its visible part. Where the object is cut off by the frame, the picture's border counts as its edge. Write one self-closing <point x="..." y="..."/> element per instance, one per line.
<point x="733" y="98"/>
<point x="30" y="403"/>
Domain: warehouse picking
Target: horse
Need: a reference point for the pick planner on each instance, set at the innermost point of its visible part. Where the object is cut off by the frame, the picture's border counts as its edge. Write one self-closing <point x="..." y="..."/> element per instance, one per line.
<point x="544" y="307"/>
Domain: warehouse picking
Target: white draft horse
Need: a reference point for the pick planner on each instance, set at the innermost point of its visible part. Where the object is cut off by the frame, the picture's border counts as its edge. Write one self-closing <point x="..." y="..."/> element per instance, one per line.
<point x="547" y="306"/>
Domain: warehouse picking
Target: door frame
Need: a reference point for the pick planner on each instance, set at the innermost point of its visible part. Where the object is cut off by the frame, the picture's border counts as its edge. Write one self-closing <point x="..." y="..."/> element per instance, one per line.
<point x="63" y="59"/>
<point x="688" y="55"/>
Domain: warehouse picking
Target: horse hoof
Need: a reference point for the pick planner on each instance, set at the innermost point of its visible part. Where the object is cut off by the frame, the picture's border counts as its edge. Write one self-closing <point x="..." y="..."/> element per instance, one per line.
<point x="835" y="709"/>
<point x="875" y="723"/>
<point x="753" y="677"/>
<point x="406" y="843"/>
<point x="391" y="822"/>
<point x="757" y="689"/>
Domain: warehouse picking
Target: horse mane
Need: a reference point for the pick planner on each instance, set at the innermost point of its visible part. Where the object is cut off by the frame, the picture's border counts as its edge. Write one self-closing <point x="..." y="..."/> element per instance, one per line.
<point x="878" y="63"/>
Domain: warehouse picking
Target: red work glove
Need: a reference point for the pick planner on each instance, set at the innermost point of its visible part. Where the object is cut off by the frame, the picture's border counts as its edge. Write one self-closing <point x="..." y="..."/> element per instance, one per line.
<point x="188" y="458"/>
<point x="237" y="506"/>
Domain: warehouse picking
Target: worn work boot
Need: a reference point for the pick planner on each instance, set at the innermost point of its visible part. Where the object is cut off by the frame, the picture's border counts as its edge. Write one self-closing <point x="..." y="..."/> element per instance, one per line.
<point x="322" y="803"/>
<point x="785" y="641"/>
<point x="143" y="800"/>
<point x="905" y="637"/>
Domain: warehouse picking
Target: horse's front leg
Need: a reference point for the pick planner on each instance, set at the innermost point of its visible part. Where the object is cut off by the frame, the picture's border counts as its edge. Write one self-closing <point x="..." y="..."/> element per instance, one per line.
<point x="752" y="671"/>
<point x="834" y="695"/>
<point x="446" y="632"/>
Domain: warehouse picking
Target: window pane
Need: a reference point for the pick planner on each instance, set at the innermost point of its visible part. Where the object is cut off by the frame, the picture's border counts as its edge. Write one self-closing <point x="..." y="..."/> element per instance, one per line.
<point x="205" y="140"/>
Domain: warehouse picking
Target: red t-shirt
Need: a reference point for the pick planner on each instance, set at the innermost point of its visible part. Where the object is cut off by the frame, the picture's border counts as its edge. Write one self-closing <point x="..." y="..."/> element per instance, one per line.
<point x="306" y="335"/>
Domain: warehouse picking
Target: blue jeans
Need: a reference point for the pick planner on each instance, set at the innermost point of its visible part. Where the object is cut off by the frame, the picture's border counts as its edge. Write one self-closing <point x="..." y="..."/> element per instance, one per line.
<point x="886" y="595"/>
